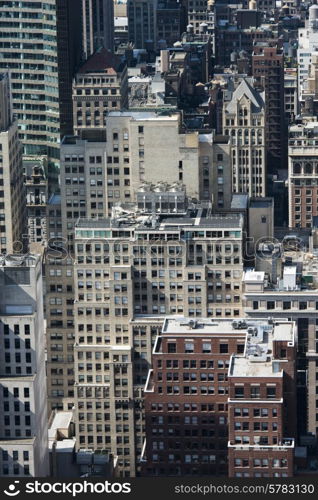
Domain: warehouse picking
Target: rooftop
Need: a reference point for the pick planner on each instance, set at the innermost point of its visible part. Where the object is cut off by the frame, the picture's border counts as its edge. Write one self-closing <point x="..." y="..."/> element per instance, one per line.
<point x="102" y="61"/>
<point x="239" y="201"/>
<point x="261" y="202"/>
<point x="19" y="260"/>
<point x="246" y="90"/>
<point x="145" y="115"/>
<point x="195" y="218"/>
<point x="61" y="420"/>
<point x="181" y="326"/>
<point x="258" y="360"/>
<point x="254" y="276"/>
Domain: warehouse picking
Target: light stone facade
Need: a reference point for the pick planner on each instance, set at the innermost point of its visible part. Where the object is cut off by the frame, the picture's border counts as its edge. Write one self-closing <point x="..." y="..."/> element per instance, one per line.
<point x="127" y="277"/>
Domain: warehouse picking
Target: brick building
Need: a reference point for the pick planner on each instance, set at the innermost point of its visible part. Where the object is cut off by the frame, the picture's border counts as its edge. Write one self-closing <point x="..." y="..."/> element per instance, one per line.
<point x="262" y="392"/>
<point x="268" y="71"/>
<point x="192" y="422"/>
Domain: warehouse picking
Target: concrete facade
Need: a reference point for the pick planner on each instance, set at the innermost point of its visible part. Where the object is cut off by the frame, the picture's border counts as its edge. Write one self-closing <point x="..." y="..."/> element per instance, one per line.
<point x="23" y="423"/>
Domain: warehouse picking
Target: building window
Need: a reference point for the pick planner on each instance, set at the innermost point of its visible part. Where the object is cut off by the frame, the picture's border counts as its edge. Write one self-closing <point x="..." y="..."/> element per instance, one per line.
<point x="271" y="392"/>
<point x="239" y="392"/>
<point x="255" y="392"/>
<point x="172" y="347"/>
<point x="189" y="347"/>
<point x="224" y="348"/>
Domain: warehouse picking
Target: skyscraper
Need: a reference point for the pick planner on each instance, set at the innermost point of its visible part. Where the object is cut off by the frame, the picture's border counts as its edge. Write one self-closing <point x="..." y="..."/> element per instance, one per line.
<point x="217" y="399"/>
<point x="268" y="71"/>
<point x="69" y="50"/>
<point x="29" y="52"/>
<point x="38" y="46"/>
<point x="97" y="25"/>
<point x="142" y="23"/>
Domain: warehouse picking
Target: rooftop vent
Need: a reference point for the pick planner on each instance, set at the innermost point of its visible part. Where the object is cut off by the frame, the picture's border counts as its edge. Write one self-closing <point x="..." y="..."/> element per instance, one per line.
<point x="192" y="324"/>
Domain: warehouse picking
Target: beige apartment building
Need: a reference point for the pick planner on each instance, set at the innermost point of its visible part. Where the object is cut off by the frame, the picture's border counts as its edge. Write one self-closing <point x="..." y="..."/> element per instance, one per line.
<point x="244" y="123"/>
<point x="141" y="147"/>
<point x="129" y="273"/>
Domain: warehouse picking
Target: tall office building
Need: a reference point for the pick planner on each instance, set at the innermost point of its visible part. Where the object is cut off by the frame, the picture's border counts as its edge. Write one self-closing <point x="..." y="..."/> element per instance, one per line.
<point x="171" y="21"/>
<point x="131" y="271"/>
<point x="35" y="48"/>
<point x="244" y="122"/>
<point x="283" y="292"/>
<point x="268" y="72"/>
<point x="23" y="421"/>
<point x="154" y="23"/>
<point x="142" y="23"/>
<point x="12" y="195"/>
<point x="97" y="25"/>
<point x="29" y="52"/>
<point x="262" y="397"/>
<point x="69" y="52"/>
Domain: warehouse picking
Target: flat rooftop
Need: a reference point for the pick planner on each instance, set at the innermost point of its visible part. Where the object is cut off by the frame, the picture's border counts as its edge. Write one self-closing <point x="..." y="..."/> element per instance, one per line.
<point x="61" y="420"/>
<point x="145" y="115"/>
<point x="241" y="367"/>
<point x="254" y="276"/>
<point x="257" y="360"/>
<point x="180" y="326"/>
<point x="261" y="203"/>
<point x="196" y="219"/>
<point x="19" y="260"/>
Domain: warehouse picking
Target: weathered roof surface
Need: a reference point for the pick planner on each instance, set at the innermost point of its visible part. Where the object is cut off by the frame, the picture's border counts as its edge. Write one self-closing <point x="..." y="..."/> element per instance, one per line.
<point x="101" y="61"/>
<point x="245" y="89"/>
